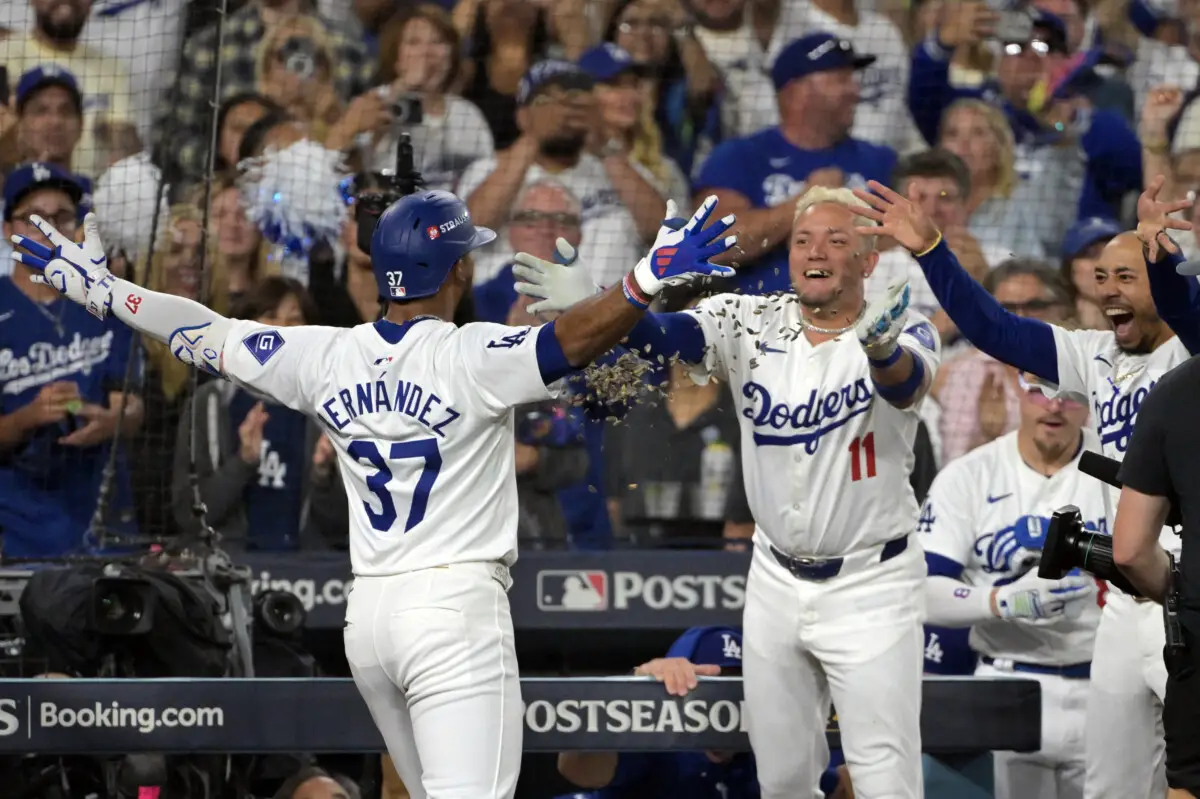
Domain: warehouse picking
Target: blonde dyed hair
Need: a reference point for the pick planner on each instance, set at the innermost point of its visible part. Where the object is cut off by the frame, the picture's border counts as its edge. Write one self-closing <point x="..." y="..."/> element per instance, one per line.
<point x="304" y="26"/>
<point x="1006" y="146"/>
<point x="821" y="195"/>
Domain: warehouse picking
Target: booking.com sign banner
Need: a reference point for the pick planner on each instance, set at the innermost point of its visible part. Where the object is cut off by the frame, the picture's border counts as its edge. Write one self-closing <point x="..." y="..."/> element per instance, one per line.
<point x="648" y="590"/>
<point x="589" y="714"/>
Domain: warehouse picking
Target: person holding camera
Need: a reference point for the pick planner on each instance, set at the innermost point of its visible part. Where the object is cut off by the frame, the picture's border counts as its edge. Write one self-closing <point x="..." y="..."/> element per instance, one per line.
<point x="982" y="529"/>
<point x="1160" y="470"/>
<point x="419" y="61"/>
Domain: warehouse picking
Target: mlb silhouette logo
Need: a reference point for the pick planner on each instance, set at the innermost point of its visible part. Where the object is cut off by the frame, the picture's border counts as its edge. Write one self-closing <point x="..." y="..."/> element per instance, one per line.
<point x="572" y="590"/>
<point x="432" y="232"/>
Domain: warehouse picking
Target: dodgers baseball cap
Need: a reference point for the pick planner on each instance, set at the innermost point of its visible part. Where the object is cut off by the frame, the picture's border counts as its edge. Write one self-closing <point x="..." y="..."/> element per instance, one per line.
<point x="40" y="77"/>
<point x="551" y="72"/>
<point x="1086" y="232"/>
<point x="608" y="62"/>
<point x="28" y="177"/>
<point x="715" y="646"/>
<point x="816" y="52"/>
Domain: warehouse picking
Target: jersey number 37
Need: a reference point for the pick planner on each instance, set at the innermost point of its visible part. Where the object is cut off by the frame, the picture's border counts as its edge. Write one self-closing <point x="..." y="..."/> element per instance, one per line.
<point x="379" y="483"/>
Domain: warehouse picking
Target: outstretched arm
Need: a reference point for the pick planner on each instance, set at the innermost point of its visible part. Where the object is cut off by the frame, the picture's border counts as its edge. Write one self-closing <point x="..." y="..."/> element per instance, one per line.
<point x="592" y="324"/>
<point x="193" y="333"/>
<point x="1027" y="344"/>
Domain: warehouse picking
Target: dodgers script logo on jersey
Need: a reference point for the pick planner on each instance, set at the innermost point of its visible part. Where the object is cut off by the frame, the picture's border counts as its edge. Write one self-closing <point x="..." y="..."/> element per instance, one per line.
<point x="817" y="415"/>
<point x="1117" y="412"/>
<point x="572" y="590"/>
<point x="44" y="362"/>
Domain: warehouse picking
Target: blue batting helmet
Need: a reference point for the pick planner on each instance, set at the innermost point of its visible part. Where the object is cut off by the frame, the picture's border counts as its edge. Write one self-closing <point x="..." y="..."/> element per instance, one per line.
<point x="418" y="239"/>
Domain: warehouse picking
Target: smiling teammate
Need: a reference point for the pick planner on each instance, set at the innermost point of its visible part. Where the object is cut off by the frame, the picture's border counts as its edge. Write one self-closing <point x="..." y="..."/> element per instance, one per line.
<point x="827" y="390"/>
<point x="982" y="529"/>
<point x="1113" y="371"/>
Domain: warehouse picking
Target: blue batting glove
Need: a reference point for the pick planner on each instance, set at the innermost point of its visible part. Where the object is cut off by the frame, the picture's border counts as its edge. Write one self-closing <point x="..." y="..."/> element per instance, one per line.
<point x="681" y="253"/>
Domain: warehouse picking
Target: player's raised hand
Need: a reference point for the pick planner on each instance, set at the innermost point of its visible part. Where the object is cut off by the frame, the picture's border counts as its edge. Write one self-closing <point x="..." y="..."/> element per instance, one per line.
<point x="678" y="675"/>
<point x="883" y="321"/>
<point x="80" y="272"/>
<point x="681" y="253"/>
<point x="1154" y="220"/>
<point x="1034" y="598"/>
<point x="895" y="216"/>
<point x="557" y="284"/>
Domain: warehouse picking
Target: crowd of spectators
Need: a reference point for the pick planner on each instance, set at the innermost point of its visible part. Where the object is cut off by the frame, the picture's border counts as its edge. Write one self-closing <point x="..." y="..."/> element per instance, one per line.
<point x="1024" y="133"/>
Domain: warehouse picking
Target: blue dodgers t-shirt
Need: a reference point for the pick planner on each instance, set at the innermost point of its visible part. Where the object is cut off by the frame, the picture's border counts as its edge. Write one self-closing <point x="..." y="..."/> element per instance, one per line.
<point x="275" y="496"/>
<point x="767" y="170"/>
<point x="48" y="491"/>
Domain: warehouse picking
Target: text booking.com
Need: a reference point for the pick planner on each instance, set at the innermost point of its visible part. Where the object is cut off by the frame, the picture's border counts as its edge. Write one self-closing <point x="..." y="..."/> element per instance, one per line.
<point x="110" y="715"/>
<point x="308" y="591"/>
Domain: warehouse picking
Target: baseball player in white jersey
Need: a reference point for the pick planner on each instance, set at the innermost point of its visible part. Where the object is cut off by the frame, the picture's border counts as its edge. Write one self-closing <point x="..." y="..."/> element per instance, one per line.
<point x="1112" y="371"/>
<point x="420" y="414"/>
<point x="982" y="530"/>
<point x="827" y="390"/>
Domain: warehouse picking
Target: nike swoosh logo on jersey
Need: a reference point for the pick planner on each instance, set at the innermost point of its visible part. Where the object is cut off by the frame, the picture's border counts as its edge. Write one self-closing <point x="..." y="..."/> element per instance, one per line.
<point x="764" y="348"/>
<point x="779" y="163"/>
<point x="4" y="317"/>
<point x="991" y="500"/>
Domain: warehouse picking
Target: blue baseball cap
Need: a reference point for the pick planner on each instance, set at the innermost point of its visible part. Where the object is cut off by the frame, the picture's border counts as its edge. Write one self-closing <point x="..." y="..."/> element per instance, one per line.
<point x="715" y="646"/>
<point x="816" y="52"/>
<point x="45" y="75"/>
<point x="551" y="72"/>
<point x="28" y="177"/>
<point x="1055" y="26"/>
<point x="607" y="62"/>
<point x="1086" y="232"/>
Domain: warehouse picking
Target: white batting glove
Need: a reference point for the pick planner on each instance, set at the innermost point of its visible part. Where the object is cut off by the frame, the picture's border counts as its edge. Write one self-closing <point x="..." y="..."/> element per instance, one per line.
<point x="682" y="250"/>
<point x="1033" y="598"/>
<point x="78" y="272"/>
<point x="883" y="321"/>
<point x="557" y="285"/>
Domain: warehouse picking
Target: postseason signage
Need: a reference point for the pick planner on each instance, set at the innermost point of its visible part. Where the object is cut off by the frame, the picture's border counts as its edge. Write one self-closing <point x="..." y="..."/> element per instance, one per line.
<point x="632" y="590"/>
<point x="622" y="714"/>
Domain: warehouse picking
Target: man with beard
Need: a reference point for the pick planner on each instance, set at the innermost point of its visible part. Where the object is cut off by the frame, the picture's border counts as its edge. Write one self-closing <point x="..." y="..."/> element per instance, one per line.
<point x="1113" y="371"/>
<point x="103" y="81"/>
<point x="555" y="112"/>
<point x="827" y="390"/>
<point x="982" y="529"/>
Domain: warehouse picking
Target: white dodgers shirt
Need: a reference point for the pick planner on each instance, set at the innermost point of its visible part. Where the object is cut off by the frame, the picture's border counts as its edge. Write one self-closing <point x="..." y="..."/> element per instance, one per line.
<point x="826" y="461"/>
<point x="988" y="512"/>
<point x="421" y="417"/>
<point x="1091" y="366"/>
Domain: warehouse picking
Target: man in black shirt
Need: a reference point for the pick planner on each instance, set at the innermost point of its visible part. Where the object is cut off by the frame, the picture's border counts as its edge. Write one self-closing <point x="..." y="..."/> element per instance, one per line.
<point x="1161" y="469"/>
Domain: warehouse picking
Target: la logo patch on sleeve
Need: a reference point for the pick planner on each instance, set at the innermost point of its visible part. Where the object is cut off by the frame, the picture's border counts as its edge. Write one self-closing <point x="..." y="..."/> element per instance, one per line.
<point x="263" y="345"/>
<point x="924" y="334"/>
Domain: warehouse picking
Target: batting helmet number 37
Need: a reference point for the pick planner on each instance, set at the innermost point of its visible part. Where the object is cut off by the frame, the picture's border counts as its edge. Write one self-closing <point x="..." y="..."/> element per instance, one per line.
<point x="395" y="284"/>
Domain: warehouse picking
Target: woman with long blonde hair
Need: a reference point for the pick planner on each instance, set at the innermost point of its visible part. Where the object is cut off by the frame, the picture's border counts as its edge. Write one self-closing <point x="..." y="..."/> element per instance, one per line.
<point x="1022" y="217"/>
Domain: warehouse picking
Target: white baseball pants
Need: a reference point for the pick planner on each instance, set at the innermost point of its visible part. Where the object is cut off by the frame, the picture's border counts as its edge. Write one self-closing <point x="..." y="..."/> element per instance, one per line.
<point x="856" y="638"/>
<point x="1056" y="770"/>
<point x="1125" y="750"/>
<point x="433" y="655"/>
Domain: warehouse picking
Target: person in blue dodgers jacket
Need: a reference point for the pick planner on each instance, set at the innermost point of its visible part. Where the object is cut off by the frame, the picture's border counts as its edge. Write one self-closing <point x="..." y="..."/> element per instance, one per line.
<point x="62" y="373"/>
<point x="1155" y="317"/>
<point x="760" y="176"/>
<point x="699" y="652"/>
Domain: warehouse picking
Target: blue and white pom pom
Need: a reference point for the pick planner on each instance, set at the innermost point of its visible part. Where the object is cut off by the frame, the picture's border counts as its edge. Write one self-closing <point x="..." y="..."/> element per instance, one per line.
<point x="123" y="200"/>
<point x="294" y="197"/>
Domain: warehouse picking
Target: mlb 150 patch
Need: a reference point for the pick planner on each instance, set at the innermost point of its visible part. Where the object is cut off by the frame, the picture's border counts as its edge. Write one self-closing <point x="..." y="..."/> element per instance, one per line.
<point x="263" y="344"/>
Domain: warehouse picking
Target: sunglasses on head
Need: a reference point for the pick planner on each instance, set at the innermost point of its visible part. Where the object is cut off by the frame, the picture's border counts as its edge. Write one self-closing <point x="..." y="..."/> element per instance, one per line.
<point x="1041" y="396"/>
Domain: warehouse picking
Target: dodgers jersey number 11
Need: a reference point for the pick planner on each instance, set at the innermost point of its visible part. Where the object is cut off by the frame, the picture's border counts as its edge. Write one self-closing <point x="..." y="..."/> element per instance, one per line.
<point x="420" y="415"/>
